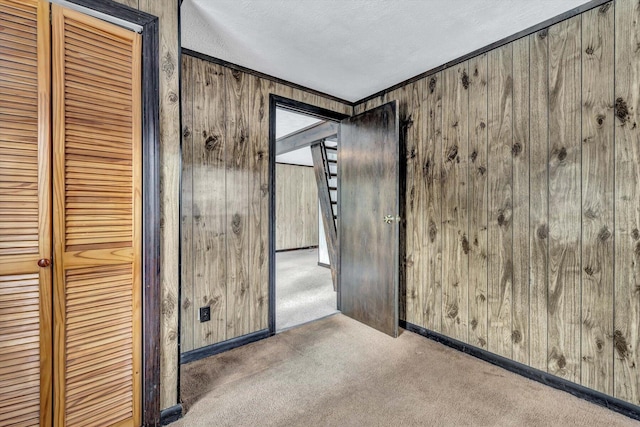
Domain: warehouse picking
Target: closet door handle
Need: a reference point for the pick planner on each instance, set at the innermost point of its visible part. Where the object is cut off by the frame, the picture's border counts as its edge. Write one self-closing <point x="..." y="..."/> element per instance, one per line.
<point x="44" y="262"/>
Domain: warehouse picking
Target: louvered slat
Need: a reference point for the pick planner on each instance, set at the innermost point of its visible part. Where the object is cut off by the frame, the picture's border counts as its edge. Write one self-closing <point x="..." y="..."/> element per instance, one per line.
<point x="97" y="220"/>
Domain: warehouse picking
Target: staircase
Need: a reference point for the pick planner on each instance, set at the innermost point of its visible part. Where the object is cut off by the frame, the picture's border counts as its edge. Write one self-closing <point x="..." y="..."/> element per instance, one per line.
<point x="331" y="156"/>
<point x="325" y="165"/>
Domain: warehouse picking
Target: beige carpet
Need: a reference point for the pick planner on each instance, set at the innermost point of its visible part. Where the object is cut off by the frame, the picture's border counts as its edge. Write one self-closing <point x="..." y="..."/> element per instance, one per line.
<point x="337" y="372"/>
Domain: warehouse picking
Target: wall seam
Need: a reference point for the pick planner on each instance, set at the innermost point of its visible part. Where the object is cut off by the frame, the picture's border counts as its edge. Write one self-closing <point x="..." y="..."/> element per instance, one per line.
<point x="613" y="291"/>
<point x="548" y="167"/>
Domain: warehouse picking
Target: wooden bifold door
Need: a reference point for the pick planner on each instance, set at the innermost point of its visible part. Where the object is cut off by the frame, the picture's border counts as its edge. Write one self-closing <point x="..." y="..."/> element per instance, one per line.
<point x="70" y="218"/>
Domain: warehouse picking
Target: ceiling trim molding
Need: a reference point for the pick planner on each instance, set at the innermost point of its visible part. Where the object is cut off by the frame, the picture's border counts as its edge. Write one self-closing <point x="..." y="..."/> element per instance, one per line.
<point x="541" y="26"/>
<point x="233" y="66"/>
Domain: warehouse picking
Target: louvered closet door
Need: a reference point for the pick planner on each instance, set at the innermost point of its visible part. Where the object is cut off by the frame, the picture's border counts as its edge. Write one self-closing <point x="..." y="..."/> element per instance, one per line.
<point x="25" y="214"/>
<point x="97" y="228"/>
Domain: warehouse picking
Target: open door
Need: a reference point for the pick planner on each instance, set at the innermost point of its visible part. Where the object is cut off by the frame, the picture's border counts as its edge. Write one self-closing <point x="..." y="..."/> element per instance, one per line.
<point x="369" y="222"/>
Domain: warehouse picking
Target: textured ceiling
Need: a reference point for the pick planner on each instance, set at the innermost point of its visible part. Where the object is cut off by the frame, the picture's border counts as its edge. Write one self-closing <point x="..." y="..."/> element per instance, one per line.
<point x="354" y="48"/>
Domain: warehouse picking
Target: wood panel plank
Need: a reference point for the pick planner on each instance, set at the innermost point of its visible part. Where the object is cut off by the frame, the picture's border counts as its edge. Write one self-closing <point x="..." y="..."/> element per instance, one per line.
<point x="187" y="306"/>
<point x="413" y="159"/>
<point x="626" y="335"/>
<point x="538" y="192"/>
<point x="478" y="135"/>
<point x="564" y="199"/>
<point x="455" y="220"/>
<point x="259" y="193"/>
<point x="416" y="138"/>
<point x="520" y="154"/>
<point x="432" y="286"/>
<point x="237" y="202"/>
<point x="209" y="202"/>
<point x="597" y="198"/>
<point x="500" y="172"/>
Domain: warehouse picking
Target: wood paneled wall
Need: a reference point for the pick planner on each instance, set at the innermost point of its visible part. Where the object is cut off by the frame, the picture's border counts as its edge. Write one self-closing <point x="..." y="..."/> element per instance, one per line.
<point x="167" y="12"/>
<point x="225" y="198"/>
<point x="523" y="187"/>
<point x="296" y="207"/>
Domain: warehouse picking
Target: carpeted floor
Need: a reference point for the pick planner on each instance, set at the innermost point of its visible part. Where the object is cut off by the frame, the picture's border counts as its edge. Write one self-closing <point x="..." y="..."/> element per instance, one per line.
<point x="304" y="291"/>
<point x="338" y="372"/>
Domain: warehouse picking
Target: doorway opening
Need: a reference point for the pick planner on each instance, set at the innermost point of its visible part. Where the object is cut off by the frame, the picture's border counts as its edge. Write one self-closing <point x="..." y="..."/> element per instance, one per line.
<point x="305" y="172"/>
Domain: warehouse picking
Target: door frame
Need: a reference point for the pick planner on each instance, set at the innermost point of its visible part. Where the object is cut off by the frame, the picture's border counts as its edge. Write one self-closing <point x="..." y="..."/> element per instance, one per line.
<point x="151" y="306"/>
<point x="276" y="101"/>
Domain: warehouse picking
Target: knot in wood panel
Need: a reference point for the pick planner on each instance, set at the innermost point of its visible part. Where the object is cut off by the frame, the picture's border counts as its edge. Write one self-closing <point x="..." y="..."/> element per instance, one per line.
<point x="211" y="142"/>
<point x="432" y="84"/>
<point x="168" y="65"/>
<point x="600" y="119"/>
<point x="516" y="149"/>
<point x="516" y="336"/>
<point x="542" y="34"/>
<point x="465" y="245"/>
<point x="604" y="8"/>
<point x="474" y="324"/>
<point x="433" y="231"/>
<point x="589" y="270"/>
<point x="236" y="224"/>
<point x="590" y="214"/>
<point x="604" y="234"/>
<point x="589" y="50"/>
<point x="621" y="110"/>
<point x="186" y="132"/>
<point x="452" y="311"/>
<point x="504" y="216"/>
<point x="620" y="344"/>
<point x="452" y="153"/>
<point x="562" y="361"/>
<point x="465" y="79"/>
<point x="562" y="154"/>
<point x="169" y="305"/>
<point x="474" y="156"/>
<point x="635" y="234"/>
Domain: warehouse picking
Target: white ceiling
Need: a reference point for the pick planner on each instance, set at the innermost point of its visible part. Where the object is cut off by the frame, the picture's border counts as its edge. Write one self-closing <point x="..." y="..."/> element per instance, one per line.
<point x="354" y="48"/>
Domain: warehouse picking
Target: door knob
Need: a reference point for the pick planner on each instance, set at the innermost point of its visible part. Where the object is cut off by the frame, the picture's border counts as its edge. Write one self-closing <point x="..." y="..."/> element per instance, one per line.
<point x="44" y="262"/>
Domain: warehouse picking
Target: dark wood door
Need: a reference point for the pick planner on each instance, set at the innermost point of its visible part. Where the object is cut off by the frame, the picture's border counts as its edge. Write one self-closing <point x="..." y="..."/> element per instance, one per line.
<point x="368" y="172"/>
